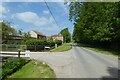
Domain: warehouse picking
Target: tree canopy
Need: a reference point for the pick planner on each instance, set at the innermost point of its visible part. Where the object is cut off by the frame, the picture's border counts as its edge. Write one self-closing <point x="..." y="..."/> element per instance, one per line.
<point x="96" y="22"/>
<point x="6" y="31"/>
<point x="65" y="32"/>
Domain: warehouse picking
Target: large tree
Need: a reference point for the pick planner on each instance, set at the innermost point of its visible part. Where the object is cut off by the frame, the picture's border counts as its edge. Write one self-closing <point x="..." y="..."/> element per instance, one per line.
<point x="67" y="37"/>
<point x="96" y="22"/>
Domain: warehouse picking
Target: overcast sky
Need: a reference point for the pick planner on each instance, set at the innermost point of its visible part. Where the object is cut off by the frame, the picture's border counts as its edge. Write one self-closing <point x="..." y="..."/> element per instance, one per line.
<point x="36" y="16"/>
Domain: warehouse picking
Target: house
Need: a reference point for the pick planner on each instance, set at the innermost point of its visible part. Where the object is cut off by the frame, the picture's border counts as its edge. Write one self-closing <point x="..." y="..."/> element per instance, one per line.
<point x="56" y="37"/>
<point x="48" y="37"/>
<point x="37" y="35"/>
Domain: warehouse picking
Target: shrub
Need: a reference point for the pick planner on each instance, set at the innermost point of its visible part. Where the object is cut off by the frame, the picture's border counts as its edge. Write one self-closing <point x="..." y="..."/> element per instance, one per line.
<point x="35" y="42"/>
<point x="58" y="42"/>
<point x="38" y="45"/>
<point x="12" y="65"/>
<point x="50" y="42"/>
<point x="35" y="45"/>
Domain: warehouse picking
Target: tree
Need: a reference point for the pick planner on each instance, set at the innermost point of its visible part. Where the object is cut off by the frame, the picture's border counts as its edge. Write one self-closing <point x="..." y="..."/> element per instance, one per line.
<point x="7" y="31"/>
<point x="96" y="23"/>
<point x="20" y="32"/>
<point x="26" y="36"/>
<point x="67" y="37"/>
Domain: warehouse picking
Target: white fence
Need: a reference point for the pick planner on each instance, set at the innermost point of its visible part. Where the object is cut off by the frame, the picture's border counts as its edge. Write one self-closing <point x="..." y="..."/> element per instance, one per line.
<point x="14" y="54"/>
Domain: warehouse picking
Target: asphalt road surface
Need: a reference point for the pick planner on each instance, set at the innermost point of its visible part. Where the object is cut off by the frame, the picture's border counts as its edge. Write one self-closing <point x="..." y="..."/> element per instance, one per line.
<point x="79" y="63"/>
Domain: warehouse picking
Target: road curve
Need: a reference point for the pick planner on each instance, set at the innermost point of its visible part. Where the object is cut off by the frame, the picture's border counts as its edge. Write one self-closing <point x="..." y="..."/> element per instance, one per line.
<point x="80" y="63"/>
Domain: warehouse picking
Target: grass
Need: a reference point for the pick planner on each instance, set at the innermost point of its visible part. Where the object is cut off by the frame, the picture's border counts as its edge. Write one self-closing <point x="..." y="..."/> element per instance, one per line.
<point x="34" y="69"/>
<point x="63" y="47"/>
<point x="101" y="49"/>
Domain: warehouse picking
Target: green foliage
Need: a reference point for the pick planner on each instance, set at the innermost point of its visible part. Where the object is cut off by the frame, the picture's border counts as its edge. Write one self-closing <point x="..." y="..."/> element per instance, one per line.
<point x="96" y="23"/>
<point x="6" y="31"/>
<point x="62" y="48"/>
<point x="38" y="45"/>
<point x="58" y="42"/>
<point x="26" y="36"/>
<point x="35" y="42"/>
<point x="50" y="42"/>
<point x="12" y="65"/>
<point x="67" y="37"/>
<point x="34" y="69"/>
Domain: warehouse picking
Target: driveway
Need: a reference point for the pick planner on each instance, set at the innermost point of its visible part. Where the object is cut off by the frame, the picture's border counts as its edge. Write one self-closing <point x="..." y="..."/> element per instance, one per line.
<point x="79" y="63"/>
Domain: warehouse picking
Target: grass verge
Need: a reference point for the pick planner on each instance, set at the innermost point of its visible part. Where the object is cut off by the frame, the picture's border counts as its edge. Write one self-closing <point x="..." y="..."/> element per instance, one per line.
<point x="63" y="47"/>
<point x="101" y="49"/>
<point x="34" y="69"/>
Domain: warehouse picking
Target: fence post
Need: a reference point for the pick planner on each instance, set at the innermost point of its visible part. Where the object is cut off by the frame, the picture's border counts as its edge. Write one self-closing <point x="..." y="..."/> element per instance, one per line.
<point x="35" y="47"/>
<point x="19" y="53"/>
<point x="55" y="45"/>
<point x="6" y="46"/>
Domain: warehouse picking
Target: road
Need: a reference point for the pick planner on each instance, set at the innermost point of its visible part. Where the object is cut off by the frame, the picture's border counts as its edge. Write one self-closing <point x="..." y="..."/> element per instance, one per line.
<point x="79" y="63"/>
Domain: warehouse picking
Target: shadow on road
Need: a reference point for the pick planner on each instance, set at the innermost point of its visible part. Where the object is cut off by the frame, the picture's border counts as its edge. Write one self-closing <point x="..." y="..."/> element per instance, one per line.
<point x="113" y="72"/>
<point x="75" y="44"/>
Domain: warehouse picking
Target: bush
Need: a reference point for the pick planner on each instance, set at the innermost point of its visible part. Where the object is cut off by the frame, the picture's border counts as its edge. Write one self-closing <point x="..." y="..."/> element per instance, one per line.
<point x="12" y="65"/>
<point x="35" y="42"/>
<point x="58" y="42"/>
<point x="35" y="45"/>
<point x="50" y="42"/>
<point x="38" y="45"/>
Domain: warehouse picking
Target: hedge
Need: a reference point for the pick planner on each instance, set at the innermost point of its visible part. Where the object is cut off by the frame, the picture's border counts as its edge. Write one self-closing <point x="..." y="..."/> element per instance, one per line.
<point x="36" y="42"/>
<point x="58" y="42"/>
<point x="38" y="45"/>
<point x="12" y="65"/>
<point x="43" y="42"/>
<point x="50" y="42"/>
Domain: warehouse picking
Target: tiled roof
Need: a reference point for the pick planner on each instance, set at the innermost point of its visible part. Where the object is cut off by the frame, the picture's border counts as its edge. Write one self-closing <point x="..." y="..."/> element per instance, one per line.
<point x="49" y="37"/>
<point x="39" y="33"/>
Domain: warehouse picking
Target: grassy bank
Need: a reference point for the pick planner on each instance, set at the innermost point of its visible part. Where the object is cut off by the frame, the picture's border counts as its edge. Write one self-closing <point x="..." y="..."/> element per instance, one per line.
<point x="63" y="47"/>
<point x="34" y="69"/>
<point x="101" y="49"/>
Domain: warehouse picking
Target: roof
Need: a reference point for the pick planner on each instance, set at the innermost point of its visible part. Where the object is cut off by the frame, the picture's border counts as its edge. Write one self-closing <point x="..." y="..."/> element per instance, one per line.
<point x="49" y="37"/>
<point x="57" y="35"/>
<point x="39" y="33"/>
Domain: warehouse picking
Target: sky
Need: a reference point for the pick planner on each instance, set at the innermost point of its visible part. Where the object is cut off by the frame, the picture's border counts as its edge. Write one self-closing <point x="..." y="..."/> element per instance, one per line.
<point x="28" y="16"/>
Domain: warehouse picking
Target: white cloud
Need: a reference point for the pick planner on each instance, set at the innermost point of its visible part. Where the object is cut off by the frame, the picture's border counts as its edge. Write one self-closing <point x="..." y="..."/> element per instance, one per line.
<point x="53" y="28"/>
<point x="31" y="17"/>
<point x="46" y="12"/>
<point x="3" y="10"/>
<point x="43" y="24"/>
<point x="1" y="20"/>
<point x="50" y="30"/>
<point x="64" y="7"/>
<point x="32" y="0"/>
<point x="17" y="27"/>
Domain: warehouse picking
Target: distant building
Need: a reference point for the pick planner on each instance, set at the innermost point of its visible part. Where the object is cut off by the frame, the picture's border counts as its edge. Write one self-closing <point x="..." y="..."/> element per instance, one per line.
<point x="56" y="37"/>
<point x="48" y="37"/>
<point x="37" y="35"/>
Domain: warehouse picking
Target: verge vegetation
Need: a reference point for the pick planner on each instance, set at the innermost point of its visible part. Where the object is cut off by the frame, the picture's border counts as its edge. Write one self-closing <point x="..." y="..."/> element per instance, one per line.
<point x="64" y="47"/>
<point x="34" y="69"/>
<point x="101" y="49"/>
<point x="12" y="65"/>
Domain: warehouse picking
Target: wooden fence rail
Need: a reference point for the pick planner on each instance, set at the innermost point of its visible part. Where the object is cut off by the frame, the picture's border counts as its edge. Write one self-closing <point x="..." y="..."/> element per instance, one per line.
<point x="4" y="55"/>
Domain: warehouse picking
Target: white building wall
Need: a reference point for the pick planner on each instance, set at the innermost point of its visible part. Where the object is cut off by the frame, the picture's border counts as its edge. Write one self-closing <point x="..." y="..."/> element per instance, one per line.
<point x="33" y="34"/>
<point x="58" y="38"/>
